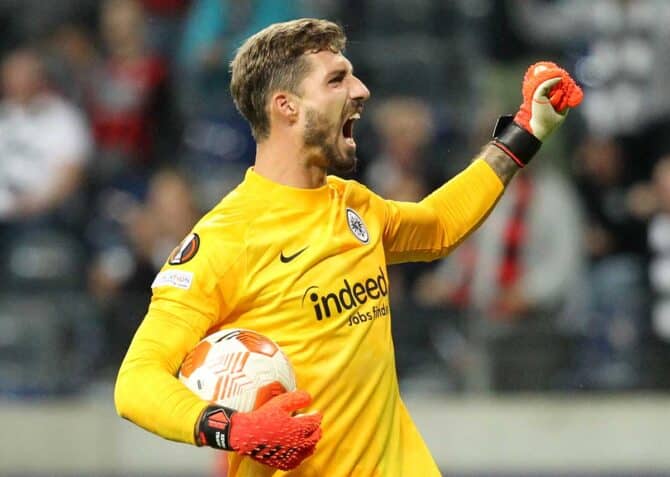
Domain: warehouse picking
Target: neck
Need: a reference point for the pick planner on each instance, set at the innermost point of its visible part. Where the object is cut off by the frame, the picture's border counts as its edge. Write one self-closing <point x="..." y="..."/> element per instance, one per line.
<point x="285" y="161"/>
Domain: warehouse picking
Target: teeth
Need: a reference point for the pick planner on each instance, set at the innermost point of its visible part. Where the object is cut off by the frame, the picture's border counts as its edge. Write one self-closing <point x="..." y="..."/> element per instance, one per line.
<point x="355" y="116"/>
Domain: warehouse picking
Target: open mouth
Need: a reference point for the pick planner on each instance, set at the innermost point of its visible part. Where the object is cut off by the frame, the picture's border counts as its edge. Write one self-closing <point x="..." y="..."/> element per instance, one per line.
<point x="348" y="129"/>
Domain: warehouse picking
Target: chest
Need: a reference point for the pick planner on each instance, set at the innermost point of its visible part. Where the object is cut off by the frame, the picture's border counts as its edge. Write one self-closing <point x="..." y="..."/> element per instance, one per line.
<point x="29" y="140"/>
<point x="318" y="268"/>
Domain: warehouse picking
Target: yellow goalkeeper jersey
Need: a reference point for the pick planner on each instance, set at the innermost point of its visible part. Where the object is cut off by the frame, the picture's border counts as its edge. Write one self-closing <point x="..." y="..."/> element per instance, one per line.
<point x="308" y="268"/>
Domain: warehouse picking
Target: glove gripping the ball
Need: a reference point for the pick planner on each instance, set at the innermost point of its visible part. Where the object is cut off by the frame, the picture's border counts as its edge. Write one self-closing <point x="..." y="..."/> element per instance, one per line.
<point x="548" y="94"/>
<point x="271" y="434"/>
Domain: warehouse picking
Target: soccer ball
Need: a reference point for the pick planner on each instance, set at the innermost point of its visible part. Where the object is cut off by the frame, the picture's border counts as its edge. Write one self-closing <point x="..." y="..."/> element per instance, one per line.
<point x="237" y="368"/>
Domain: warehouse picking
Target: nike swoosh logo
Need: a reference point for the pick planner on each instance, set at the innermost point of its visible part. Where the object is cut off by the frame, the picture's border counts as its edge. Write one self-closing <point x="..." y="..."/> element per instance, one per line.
<point x="288" y="258"/>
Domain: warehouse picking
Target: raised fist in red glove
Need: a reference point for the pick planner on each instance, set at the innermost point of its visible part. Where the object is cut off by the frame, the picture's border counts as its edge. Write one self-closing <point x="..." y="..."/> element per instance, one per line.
<point x="548" y="93"/>
<point x="271" y="435"/>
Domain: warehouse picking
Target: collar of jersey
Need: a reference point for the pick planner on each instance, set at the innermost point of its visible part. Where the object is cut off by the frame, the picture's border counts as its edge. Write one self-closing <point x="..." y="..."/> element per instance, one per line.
<point x="279" y="193"/>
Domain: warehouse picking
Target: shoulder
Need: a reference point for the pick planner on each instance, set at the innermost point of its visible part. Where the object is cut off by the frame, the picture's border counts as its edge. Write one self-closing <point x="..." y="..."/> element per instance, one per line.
<point x="223" y="231"/>
<point x="211" y="250"/>
<point x="351" y="187"/>
<point x="340" y="182"/>
<point x="59" y="109"/>
<point x="234" y="214"/>
<point x="358" y="196"/>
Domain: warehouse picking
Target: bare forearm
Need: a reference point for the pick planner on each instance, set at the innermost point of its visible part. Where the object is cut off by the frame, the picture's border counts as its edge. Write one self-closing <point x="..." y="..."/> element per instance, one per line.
<point x="504" y="167"/>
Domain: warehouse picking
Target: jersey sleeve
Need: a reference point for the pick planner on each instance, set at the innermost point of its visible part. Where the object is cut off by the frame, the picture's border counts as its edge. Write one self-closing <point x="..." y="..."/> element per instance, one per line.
<point x="430" y="229"/>
<point x="192" y="293"/>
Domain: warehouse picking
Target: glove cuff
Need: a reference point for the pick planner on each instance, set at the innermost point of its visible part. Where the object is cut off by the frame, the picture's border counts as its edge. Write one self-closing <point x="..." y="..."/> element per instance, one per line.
<point x="515" y="141"/>
<point x="213" y="427"/>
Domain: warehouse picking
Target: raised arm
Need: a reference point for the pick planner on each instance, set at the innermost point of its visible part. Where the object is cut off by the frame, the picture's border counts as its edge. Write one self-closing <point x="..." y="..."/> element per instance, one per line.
<point x="431" y="228"/>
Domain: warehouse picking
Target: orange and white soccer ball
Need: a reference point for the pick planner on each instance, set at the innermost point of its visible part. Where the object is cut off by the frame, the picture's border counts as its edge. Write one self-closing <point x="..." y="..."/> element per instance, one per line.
<point x="237" y="368"/>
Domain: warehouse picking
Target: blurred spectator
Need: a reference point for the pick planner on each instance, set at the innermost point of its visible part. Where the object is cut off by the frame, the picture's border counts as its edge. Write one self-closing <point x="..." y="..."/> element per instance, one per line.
<point x="30" y="21"/>
<point x="615" y="245"/>
<point x="164" y="25"/>
<point x="44" y="142"/>
<point x="426" y="48"/>
<point x="125" y="267"/>
<point x="129" y="101"/>
<point x="659" y="244"/>
<point x="44" y="147"/>
<point x="74" y="60"/>
<point x="213" y="31"/>
<point x="615" y="209"/>
<point x="151" y="229"/>
<point x="405" y="128"/>
<point x="401" y="170"/>
<point x="511" y="282"/>
<point x="218" y="146"/>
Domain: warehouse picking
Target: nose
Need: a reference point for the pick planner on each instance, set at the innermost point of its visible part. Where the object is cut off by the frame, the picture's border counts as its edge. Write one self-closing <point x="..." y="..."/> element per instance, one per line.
<point x="359" y="91"/>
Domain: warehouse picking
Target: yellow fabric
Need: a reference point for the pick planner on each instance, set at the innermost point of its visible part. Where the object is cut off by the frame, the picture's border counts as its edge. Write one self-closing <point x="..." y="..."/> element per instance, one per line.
<point x="328" y="308"/>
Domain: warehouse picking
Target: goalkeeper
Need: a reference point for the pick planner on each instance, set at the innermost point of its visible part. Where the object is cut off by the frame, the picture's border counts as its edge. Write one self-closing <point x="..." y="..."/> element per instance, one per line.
<point x="302" y="256"/>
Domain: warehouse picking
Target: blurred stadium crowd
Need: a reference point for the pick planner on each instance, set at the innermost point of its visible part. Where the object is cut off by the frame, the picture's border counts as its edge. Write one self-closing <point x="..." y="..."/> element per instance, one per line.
<point x="117" y="133"/>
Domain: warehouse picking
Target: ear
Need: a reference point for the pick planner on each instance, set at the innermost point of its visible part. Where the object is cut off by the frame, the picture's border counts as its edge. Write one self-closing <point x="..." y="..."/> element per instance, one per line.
<point x="285" y="106"/>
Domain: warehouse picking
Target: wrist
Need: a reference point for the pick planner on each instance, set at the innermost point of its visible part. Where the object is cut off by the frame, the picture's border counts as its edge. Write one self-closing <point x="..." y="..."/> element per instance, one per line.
<point x="502" y="164"/>
<point x="515" y="141"/>
<point x="213" y="427"/>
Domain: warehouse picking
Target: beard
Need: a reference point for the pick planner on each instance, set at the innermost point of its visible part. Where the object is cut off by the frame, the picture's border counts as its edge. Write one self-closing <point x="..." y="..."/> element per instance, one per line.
<point x="321" y="136"/>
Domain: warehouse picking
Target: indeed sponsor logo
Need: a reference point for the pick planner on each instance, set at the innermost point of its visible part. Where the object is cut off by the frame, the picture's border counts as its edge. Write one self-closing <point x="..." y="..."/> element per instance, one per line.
<point x="350" y="296"/>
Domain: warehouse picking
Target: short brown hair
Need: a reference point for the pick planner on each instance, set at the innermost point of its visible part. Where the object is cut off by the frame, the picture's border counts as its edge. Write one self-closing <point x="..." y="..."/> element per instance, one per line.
<point x="272" y="59"/>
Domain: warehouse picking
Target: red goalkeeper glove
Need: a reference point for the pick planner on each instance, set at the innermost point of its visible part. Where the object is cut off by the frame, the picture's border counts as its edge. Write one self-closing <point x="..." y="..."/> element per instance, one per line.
<point x="548" y="94"/>
<point x="271" y="434"/>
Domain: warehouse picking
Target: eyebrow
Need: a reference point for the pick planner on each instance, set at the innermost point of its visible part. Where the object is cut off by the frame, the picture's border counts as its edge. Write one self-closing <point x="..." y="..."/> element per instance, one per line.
<point x="336" y="73"/>
<point x="341" y="70"/>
